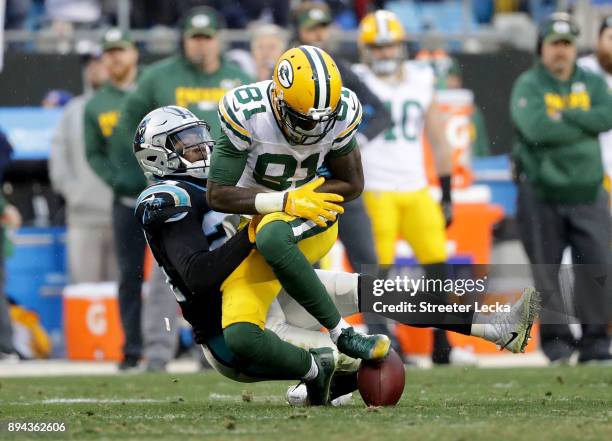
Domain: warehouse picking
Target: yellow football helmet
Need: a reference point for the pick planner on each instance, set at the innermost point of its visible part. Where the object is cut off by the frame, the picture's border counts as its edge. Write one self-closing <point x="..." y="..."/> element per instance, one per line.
<point x="306" y="94"/>
<point x="382" y="29"/>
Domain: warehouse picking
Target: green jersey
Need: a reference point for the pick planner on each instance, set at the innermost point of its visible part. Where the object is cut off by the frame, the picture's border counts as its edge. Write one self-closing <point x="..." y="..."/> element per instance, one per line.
<point x="176" y="81"/>
<point x="114" y="164"/>
<point x="557" y="125"/>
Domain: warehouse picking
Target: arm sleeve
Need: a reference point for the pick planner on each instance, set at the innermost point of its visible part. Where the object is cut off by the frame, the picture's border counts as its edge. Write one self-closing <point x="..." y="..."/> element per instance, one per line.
<point x="96" y="149"/>
<point x="530" y="117"/>
<point x="188" y="250"/>
<point x="227" y="162"/>
<point x="376" y="117"/>
<point x="598" y="118"/>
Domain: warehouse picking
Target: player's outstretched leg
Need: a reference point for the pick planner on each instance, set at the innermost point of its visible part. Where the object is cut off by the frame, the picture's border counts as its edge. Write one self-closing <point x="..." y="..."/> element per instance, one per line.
<point x="510" y="330"/>
<point x="278" y="241"/>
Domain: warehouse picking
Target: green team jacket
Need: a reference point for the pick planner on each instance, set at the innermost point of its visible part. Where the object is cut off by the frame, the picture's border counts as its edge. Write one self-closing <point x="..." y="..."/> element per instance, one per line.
<point x="172" y="81"/>
<point x="120" y="171"/>
<point x="557" y="125"/>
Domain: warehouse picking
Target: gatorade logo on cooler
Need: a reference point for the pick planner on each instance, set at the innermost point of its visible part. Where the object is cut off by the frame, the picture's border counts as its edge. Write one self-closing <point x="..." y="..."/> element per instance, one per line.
<point x="96" y="319"/>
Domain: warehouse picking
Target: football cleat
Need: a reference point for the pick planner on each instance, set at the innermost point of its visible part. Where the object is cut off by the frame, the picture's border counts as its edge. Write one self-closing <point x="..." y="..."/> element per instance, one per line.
<point x="364" y="346"/>
<point x="318" y="389"/>
<point x="340" y="390"/>
<point x="297" y="396"/>
<point x="511" y="330"/>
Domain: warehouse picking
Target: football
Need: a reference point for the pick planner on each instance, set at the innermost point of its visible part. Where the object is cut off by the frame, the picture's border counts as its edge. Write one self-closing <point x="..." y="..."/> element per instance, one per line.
<point x="381" y="383"/>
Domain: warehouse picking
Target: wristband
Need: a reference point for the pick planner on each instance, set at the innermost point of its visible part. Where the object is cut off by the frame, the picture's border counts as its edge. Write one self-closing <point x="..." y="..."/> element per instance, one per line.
<point x="445" y="185"/>
<point x="270" y="202"/>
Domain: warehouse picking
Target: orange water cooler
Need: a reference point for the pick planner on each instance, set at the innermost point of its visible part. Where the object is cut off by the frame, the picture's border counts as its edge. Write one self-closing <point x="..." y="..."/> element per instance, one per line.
<point x="92" y="325"/>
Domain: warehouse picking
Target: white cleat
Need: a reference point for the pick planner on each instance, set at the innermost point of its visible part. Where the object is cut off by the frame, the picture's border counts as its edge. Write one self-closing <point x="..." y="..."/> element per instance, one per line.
<point x="297" y="396"/>
<point x="463" y="356"/>
<point x="510" y="330"/>
<point x="342" y="400"/>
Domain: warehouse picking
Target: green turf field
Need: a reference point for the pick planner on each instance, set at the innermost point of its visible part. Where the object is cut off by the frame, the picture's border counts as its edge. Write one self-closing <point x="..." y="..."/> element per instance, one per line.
<point x="439" y="404"/>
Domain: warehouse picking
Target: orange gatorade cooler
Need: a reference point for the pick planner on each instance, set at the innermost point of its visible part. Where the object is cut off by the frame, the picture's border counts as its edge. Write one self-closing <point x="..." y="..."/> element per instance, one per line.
<point x="92" y="325"/>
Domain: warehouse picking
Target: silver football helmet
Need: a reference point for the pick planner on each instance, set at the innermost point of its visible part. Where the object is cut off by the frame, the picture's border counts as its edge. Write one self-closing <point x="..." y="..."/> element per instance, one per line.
<point x="166" y="137"/>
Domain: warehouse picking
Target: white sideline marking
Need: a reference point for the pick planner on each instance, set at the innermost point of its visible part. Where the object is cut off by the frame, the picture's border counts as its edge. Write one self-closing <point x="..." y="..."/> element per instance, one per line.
<point x="238" y="397"/>
<point x="87" y="400"/>
<point x="99" y="400"/>
<point x="51" y="368"/>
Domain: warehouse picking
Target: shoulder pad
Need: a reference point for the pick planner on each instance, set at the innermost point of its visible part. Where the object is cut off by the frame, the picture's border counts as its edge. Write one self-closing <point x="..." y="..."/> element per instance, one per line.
<point x="163" y="202"/>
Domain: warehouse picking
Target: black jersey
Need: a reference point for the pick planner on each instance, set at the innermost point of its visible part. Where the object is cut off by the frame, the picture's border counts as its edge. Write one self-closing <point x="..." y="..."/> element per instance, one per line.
<point x="188" y="241"/>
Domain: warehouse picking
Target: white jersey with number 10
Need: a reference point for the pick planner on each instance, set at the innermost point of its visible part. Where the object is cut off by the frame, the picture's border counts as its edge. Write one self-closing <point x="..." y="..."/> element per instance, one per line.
<point x="394" y="160"/>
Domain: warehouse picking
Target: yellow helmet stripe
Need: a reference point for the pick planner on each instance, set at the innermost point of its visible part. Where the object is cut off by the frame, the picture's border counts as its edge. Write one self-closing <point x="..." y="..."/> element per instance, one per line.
<point x="321" y="79"/>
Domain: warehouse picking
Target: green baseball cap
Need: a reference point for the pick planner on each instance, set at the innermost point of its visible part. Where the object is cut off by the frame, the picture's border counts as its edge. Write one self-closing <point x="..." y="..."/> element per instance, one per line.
<point x="317" y="14"/>
<point x="202" y="21"/>
<point x="115" y="38"/>
<point x="559" y="30"/>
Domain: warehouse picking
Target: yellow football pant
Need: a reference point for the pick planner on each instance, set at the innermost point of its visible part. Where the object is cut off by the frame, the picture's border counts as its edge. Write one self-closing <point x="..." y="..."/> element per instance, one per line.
<point x="249" y="291"/>
<point x="412" y="216"/>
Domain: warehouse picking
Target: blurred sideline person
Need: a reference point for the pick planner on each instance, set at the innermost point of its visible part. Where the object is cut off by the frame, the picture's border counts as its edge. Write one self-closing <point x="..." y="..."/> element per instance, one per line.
<point x="396" y="192"/>
<point x="313" y="27"/>
<point x="196" y="79"/>
<point x="601" y="63"/>
<point x="10" y="219"/>
<point x="268" y="42"/>
<point x="558" y="111"/>
<point x="106" y="158"/>
<point x="267" y="45"/>
<point x="91" y="251"/>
